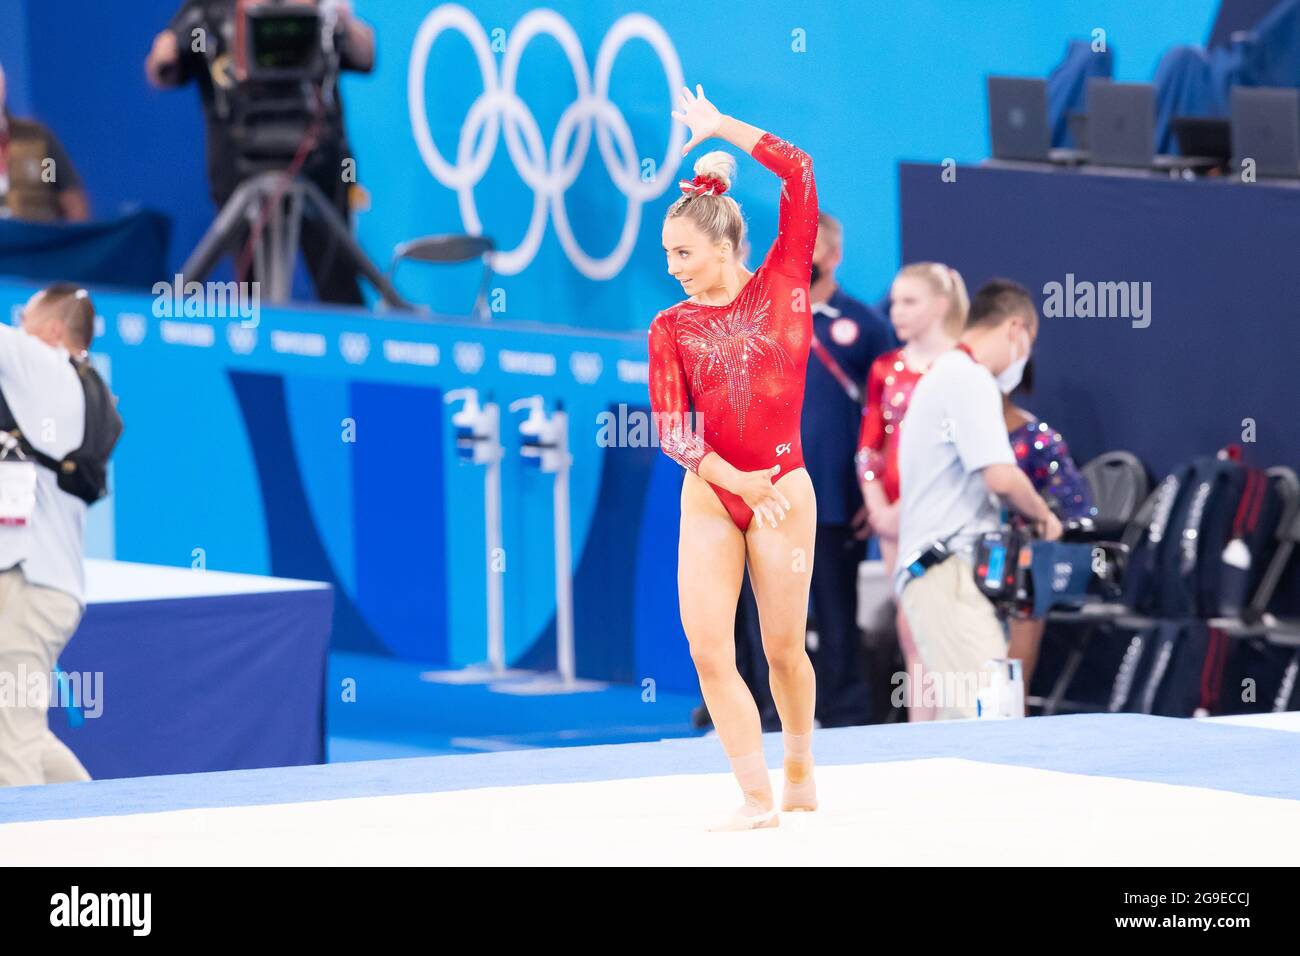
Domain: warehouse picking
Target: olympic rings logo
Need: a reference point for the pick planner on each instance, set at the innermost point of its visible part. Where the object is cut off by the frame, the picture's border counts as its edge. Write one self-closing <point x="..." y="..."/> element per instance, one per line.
<point x="548" y="172"/>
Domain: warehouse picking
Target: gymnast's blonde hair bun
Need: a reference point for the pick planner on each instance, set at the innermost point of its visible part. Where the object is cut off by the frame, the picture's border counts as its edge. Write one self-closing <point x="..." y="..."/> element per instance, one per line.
<point x="718" y="164"/>
<point x="718" y="217"/>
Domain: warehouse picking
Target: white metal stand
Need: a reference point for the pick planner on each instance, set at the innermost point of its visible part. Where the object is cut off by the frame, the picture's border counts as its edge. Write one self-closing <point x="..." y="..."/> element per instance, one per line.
<point x="479" y="431"/>
<point x="548" y="441"/>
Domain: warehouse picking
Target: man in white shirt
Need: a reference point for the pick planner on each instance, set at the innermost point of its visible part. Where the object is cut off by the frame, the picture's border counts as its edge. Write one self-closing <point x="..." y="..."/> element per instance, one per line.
<point x="955" y="462"/>
<point x="41" y="574"/>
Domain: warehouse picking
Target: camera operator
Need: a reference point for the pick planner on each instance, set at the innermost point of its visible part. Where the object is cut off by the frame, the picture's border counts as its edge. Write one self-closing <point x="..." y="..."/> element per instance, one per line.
<point x="58" y="425"/>
<point x="207" y="41"/>
<point x="954" y="457"/>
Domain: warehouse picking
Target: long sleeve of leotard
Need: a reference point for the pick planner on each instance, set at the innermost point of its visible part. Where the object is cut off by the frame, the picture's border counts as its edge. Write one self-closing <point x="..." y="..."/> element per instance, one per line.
<point x="791" y="253"/>
<point x="871" y="437"/>
<point x="670" y="400"/>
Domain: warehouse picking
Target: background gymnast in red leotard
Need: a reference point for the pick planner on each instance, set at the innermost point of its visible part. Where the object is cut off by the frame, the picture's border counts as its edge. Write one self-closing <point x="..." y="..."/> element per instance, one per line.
<point x="737" y="351"/>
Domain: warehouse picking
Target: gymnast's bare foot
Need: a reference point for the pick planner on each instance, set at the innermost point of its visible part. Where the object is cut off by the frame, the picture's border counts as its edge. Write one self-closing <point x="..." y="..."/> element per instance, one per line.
<point x="756" y="813"/>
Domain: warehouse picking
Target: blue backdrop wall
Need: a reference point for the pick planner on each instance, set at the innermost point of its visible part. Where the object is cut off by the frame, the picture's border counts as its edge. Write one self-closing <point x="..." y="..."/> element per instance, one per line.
<point x="876" y="83"/>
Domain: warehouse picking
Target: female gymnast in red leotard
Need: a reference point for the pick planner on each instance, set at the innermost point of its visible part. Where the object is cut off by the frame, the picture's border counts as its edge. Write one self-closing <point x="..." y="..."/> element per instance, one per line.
<point x="737" y="351"/>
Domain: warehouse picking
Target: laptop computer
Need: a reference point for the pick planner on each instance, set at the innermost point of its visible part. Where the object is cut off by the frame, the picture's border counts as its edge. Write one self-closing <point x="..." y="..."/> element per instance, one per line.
<point x="1121" y="123"/>
<point x="1122" y="129"/>
<point x="1266" y="128"/>
<point x="1018" y="124"/>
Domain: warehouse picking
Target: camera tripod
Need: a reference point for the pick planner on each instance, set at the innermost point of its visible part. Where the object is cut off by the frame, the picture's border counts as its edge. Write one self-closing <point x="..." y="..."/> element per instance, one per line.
<point x="275" y="245"/>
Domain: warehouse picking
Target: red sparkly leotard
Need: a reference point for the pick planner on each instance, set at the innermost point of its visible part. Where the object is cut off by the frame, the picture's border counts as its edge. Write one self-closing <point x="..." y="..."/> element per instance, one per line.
<point x="889" y="391"/>
<point x="743" y="365"/>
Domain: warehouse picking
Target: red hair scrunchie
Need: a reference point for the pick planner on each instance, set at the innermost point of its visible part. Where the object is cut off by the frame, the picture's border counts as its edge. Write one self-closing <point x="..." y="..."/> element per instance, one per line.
<point x="702" y="186"/>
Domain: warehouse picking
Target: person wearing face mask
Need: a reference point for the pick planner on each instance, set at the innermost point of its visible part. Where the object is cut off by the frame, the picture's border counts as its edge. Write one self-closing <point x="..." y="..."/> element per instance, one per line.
<point x="955" y="463"/>
<point x="928" y="305"/>
<point x="848" y="336"/>
<point x="1045" y="459"/>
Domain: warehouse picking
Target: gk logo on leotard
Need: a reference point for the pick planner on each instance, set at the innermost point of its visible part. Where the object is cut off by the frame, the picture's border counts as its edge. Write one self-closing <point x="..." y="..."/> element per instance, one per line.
<point x="548" y="171"/>
<point x="782" y="448"/>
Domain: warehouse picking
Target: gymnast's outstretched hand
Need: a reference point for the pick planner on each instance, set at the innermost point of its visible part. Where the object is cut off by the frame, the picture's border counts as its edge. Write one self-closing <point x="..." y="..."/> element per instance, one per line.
<point x="701" y="116"/>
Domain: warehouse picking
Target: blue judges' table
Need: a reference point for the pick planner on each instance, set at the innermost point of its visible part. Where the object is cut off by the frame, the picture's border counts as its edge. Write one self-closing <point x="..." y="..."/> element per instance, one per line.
<point x="184" y="671"/>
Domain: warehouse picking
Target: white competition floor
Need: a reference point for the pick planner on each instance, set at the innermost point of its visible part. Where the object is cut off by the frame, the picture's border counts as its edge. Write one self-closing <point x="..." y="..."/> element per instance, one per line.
<point x="920" y="812"/>
<point x="1073" y="790"/>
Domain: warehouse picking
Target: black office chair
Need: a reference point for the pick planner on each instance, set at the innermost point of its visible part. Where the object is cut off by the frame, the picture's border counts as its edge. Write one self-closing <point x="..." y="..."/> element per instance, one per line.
<point x="1121" y="492"/>
<point x="1284" y="633"/>
<point x="1080" y="625"/>
<point x="1256" y="625"/>
<point x="1119" y="485"/>
<point x="450" y="250"/>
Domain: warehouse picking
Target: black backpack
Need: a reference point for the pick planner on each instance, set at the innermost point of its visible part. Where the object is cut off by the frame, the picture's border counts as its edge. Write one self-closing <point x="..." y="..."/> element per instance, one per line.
<point x="84" y="472"/>
<point x="1147" y="555"/>
<point x="1181" y="566"/>
<point x="1197" y="533"/>
<point x="1220" y="538"/>
<point x="1232" y="573"/>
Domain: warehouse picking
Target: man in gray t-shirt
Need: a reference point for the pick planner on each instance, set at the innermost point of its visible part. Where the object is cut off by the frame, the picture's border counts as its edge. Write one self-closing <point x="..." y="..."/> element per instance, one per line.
<point x="955" y="462"/>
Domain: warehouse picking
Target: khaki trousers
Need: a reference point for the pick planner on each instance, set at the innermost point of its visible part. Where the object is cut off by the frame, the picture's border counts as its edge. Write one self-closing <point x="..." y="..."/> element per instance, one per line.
<point x="35" y="625"/>
<point x="956" y="630"/>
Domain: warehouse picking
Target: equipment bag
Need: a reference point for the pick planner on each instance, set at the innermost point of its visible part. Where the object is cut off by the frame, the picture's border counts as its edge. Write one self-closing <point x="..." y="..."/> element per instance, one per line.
<point x="83" y="472"/>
